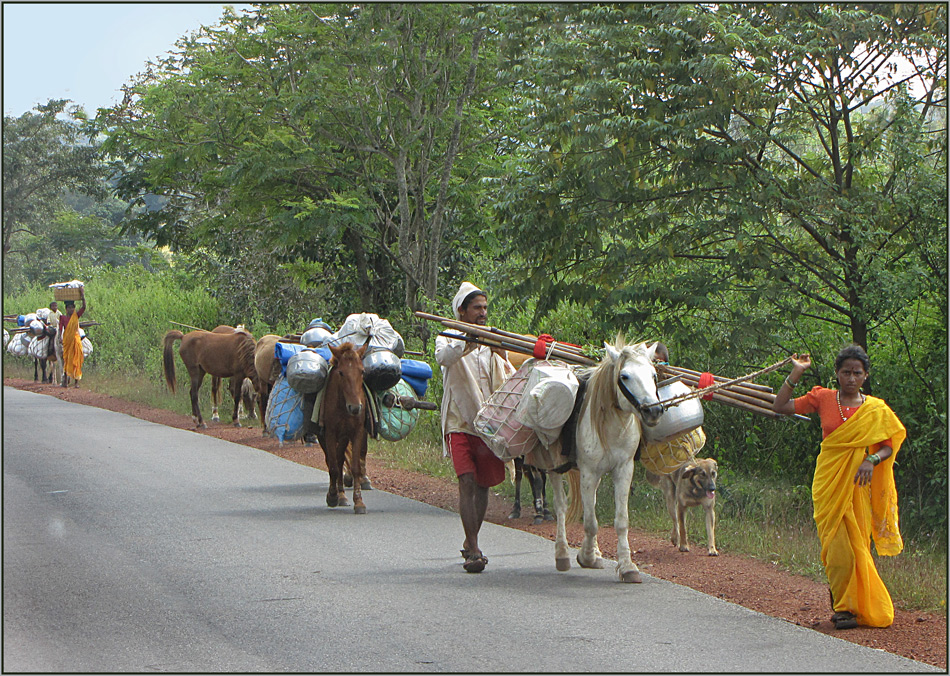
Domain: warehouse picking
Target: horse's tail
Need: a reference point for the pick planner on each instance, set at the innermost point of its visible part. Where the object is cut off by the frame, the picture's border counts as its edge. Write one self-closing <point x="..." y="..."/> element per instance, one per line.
<point x="168" y="357"/>
<point x="575" y="509"/>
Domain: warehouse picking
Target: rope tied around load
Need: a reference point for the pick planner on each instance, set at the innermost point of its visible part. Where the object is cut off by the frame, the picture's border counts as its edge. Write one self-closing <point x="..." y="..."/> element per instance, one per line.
<point x="704" y="391"/>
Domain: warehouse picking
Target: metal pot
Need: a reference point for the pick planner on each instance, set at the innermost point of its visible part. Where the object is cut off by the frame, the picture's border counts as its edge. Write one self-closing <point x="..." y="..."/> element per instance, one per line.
<point x="381" y="369"/>
<point x="307" y="372"/>
<point x="676" y="420"/>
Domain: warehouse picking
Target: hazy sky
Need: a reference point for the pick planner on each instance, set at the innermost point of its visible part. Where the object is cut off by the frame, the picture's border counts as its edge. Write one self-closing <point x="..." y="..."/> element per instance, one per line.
<point x="86" y="51"/>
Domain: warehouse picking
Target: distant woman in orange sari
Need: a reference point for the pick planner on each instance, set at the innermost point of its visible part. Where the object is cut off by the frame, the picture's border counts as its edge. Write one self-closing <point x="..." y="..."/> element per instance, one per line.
<point x="72" y="343"/>
<point x="853" y="491"/>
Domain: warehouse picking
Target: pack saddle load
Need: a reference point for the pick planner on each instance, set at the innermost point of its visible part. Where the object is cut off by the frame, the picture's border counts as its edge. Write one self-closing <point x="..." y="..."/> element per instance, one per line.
<point x="526" y="415"/>
<point x="395" y="385"/>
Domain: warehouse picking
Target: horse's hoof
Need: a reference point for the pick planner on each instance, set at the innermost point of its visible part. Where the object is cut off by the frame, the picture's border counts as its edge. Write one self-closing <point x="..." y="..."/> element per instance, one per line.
<point x="515" y="513"/>
<point x="359" y="509"/>
<point x="631" y="576"/>
<point x="343" y="502"/>
<point x="538" y="520"/>
<point x="365" y="485"/>
<point x="598" y="562"/>
<point x="333" y="500"/>
<point x="714" y="552"/>
<point x="684" y="548"/>
<point x="562" y="564"/>
<point x="203" y="426"/>
<point x="348" y="481"/>
<point x="235" y="424"/>
<point x="215" y="418"/>
<point x="549" y="517"/>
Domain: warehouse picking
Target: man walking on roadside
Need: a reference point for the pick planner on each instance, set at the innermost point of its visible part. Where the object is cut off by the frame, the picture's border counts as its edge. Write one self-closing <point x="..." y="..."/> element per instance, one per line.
<point x="470" y="373"/>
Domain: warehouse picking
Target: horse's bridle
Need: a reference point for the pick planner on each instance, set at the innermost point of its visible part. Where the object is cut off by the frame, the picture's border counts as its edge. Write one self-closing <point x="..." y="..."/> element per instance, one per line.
<point x="628" y="395"/>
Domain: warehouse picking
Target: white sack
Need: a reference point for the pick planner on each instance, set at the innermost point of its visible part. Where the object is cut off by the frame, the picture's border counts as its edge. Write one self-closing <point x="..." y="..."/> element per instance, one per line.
<point x="548" y="400"/>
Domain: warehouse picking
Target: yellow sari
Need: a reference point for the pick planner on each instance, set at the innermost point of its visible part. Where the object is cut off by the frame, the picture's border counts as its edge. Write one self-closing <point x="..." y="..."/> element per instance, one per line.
<point x="848" y="515"/>
<point x="72" y="349"/>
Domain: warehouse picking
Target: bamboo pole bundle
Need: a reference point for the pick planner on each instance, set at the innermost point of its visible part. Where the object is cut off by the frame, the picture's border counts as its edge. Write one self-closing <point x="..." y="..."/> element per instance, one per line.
<point x="515" y="342"/>
<point x="760" y="393"/>
<point x="746" y="395"/>
<point x="82" y="325"/>
<point x="738" y="392"/>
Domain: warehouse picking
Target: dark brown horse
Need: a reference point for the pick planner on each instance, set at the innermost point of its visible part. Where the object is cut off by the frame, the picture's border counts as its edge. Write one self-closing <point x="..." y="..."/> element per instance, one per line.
<point x="343" y="416"/>
<point x="248" y="393"/>
<point x="225" y="355"/>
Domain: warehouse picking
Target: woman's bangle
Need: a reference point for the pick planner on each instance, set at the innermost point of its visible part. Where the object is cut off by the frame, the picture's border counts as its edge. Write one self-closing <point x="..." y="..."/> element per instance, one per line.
<point x="790" y="383"/>
<point x="874" y="459"/>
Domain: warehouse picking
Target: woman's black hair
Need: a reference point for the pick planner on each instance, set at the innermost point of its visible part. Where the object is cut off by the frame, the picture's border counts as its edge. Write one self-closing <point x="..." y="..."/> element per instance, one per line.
<point x="853" y="351"/>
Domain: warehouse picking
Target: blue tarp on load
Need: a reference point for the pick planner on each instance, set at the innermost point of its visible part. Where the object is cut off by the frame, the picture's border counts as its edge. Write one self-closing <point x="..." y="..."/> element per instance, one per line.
<point x="285" y="411"/>
<point x="417" y="374"/>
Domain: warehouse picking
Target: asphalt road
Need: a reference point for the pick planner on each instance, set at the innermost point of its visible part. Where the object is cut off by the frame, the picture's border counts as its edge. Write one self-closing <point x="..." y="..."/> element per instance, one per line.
<point x="131" y="547"/>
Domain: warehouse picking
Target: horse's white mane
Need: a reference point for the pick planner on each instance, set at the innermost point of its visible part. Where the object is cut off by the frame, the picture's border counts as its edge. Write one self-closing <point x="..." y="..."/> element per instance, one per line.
<point x="602" y="400"/>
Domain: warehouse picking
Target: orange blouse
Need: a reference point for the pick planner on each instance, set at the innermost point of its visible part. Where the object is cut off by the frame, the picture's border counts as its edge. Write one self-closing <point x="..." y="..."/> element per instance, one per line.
<point x="824" y="402"/>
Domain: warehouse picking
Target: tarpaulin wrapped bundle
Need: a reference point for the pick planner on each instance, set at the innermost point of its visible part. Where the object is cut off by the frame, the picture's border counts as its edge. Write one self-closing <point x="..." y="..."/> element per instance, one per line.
<point x="19" y="345"/>
<point x="395" y="422"/>
<point x="417" y="374"/>
<point x="39" y="348"/>
<point x="497" y="422"/>
<point x="548" y="399"/>
<point x="42" y="314"/>
<point x="362" y="326"/>
<point x="6" y="337"/>
<point x="307" y="371"/>
<point x="37" y="327"/>
<point x="381" y="369"/>
<point x="284" y="416"/>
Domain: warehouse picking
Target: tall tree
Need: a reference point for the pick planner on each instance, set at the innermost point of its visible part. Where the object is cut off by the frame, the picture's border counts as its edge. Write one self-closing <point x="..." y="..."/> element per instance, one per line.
<point x="772" y="153"/>
<point x="323" y="127"/>
<point x="45" y="154"/>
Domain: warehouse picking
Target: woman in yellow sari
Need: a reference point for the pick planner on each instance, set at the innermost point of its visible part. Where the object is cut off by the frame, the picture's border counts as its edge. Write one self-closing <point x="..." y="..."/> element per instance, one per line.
<point x="853" y="490"/>
<point x="72" y="343"/>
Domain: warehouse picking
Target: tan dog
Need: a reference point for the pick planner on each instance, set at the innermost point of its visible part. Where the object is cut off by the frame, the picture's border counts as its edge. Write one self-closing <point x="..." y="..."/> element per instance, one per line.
<point x="691" y="485"/>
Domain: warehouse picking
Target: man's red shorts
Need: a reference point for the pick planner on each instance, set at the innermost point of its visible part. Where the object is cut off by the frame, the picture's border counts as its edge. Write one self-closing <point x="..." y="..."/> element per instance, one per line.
<point x="470" y="455"/>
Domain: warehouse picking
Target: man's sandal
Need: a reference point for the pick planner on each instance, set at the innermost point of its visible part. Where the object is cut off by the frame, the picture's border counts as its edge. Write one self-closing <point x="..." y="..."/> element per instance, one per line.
<point x="475" y="563"/>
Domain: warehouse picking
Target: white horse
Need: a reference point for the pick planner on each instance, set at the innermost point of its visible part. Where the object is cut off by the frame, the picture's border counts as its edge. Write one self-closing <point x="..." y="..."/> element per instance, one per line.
<point x="621" y="392"/>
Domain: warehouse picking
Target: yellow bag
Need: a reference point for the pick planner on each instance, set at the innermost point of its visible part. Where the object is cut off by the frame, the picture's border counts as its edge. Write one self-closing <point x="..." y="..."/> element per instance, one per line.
<point x="665" y="457"/>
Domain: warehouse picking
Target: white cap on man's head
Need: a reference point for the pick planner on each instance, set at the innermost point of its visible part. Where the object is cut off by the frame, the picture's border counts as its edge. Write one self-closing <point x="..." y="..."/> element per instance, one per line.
<point x="465" y="290"/>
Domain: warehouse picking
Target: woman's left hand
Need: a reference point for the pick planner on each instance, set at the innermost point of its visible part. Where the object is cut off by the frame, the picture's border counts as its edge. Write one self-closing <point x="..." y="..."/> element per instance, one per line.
<point x="865" y="471"/>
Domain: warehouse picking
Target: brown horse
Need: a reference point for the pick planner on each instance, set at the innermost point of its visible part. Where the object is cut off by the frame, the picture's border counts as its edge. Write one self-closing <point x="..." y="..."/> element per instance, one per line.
<point x="268" y="370"/>
<point x="343" y="416"/>
<point x="248" y="393"/>
<point x="225" y="355"/>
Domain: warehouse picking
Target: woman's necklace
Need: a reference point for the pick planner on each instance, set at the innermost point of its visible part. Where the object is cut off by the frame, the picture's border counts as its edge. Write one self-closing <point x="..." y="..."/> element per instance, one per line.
<point x="840" y="411"/>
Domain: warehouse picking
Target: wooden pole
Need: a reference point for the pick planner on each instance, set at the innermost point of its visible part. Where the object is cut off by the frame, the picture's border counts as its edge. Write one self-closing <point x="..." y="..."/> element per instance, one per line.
<point x="187" y="326"/>
<point x="758" y="395"/>
<point x="518" y="343"/>
<point x="718" y="379"/>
